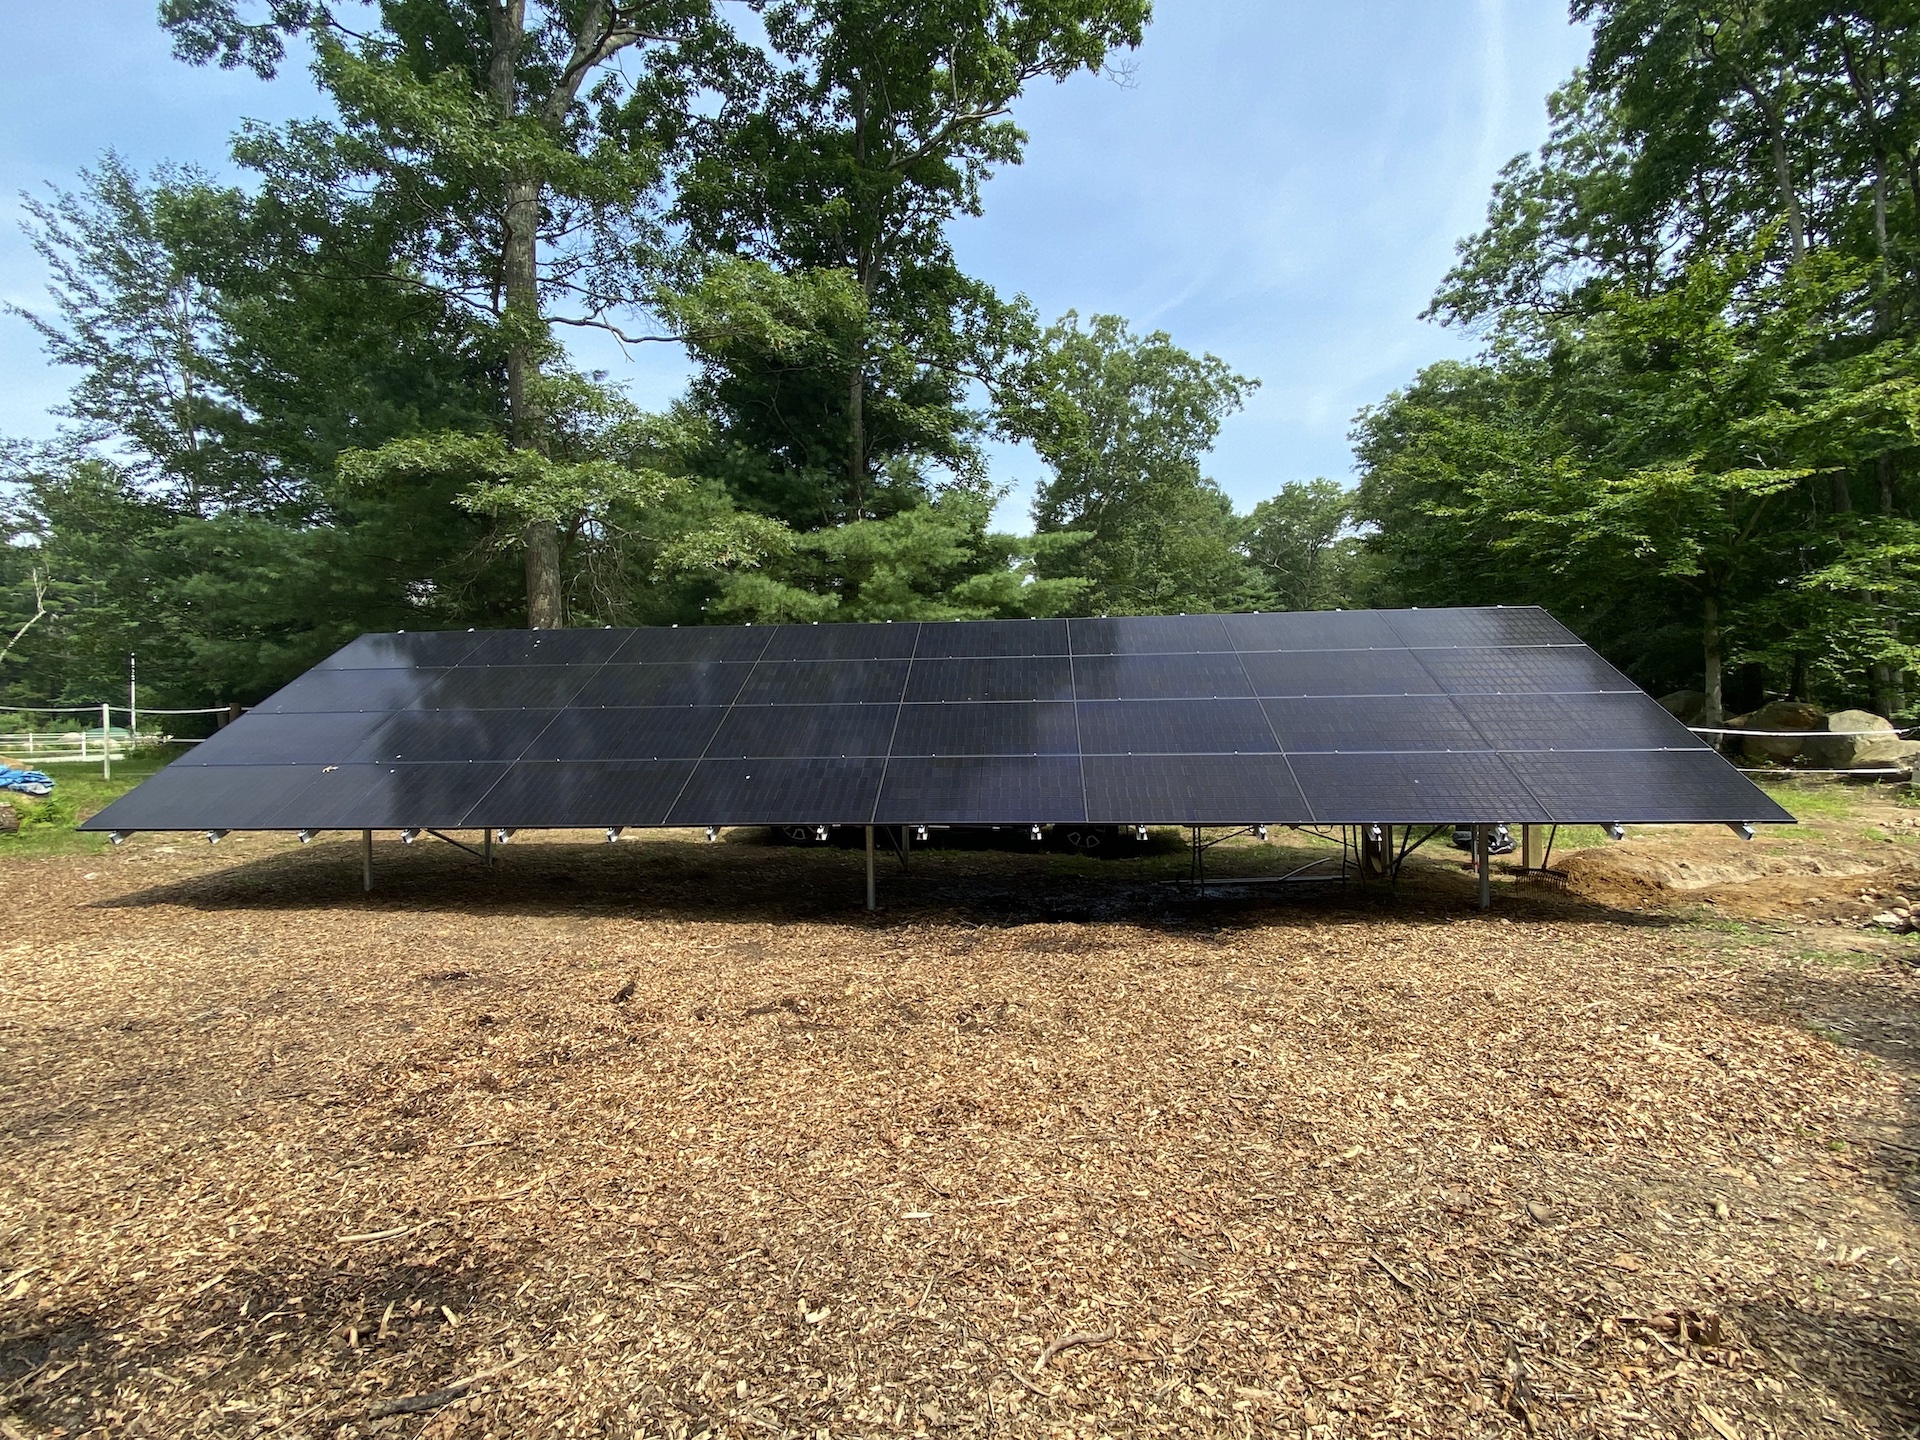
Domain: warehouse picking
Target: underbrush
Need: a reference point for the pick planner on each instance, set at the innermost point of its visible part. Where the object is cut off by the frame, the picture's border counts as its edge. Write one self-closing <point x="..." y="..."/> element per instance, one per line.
<point x="48" y="825"/>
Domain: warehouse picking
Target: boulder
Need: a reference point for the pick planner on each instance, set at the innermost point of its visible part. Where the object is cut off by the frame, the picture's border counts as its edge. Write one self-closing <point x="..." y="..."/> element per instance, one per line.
<point x="1848" y="747"/>
<point x="1780" y="715"/>
<point x="1684" y="705"/>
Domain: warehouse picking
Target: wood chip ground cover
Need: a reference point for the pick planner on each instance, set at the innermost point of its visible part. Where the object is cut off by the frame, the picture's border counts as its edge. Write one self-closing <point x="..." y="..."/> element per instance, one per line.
<point x="673" y="1139"/>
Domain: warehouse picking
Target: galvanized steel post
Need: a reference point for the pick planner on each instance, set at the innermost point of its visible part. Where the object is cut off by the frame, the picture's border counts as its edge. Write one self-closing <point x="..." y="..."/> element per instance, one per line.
<point x="1483" y="843"/>
<point x="871" y="898"/>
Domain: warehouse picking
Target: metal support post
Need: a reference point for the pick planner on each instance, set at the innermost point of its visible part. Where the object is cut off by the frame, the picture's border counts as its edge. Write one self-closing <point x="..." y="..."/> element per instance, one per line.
<point x="486" y="845"/>
<point x="106" y="742"/>
<point x="1376" y="852"/>
<point x="1483" y="848"/>
<point x="366" y="861"/>
<point x="872" y="898"/>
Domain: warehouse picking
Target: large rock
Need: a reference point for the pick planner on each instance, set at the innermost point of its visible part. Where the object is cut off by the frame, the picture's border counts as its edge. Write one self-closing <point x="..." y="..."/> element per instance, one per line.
<point x="1684" y="705"/>
<point x="1873" y="741"/>
<point x="1777" y="715"/>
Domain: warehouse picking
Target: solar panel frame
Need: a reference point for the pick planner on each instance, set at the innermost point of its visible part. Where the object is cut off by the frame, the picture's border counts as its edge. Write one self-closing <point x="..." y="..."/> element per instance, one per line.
<point x="1338" y="717"/>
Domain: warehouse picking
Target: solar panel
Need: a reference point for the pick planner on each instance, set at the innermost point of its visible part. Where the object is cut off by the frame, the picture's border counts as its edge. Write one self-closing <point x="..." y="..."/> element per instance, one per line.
<point x="1465" y="716"/>
<point x="1130" y="789"/>
<point x="1416" y="788"/>
<point x="1175" y="727"/>
<point x="641" y="732"/>
<point x="982" y="790"/>
<point x="779" y="792"/>
<point x="1045" y="727"/>
<point x="581" y="794"/>
<point x="378" y="691"/>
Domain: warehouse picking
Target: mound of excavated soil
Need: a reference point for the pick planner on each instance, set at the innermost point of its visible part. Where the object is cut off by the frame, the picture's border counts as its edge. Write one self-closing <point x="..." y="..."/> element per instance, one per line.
<point x="1766" y="878"/>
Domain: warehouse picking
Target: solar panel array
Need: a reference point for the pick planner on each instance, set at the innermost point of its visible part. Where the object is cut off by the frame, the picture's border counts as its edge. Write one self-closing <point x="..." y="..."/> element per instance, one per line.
<point x="1333" y="717"/>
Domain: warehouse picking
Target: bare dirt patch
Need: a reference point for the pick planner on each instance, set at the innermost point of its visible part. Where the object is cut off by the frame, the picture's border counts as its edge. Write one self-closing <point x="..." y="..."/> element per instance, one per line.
<point x="1853" y="855"/>
<point x="669" y="1138"/>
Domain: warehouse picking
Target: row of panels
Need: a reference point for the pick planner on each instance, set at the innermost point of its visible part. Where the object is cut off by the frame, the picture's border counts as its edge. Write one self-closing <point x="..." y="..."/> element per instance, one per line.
<point x="1354" y="674"/>
<point x="827" y="731"/>
<point x="1125" y="635"/>
<point x="1431" y="788"/>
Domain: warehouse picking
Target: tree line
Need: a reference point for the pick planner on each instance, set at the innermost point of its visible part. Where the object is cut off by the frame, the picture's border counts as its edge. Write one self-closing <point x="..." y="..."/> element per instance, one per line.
<point x="1692" y="431"/>
<point x="334" y="398"/>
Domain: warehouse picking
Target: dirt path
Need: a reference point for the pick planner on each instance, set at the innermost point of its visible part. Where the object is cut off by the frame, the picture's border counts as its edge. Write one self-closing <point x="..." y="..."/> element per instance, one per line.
<point x="671" y="1139"/>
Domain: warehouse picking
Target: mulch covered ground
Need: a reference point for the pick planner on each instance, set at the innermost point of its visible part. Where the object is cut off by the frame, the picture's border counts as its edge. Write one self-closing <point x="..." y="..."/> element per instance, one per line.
<point x="674" y="1139"/>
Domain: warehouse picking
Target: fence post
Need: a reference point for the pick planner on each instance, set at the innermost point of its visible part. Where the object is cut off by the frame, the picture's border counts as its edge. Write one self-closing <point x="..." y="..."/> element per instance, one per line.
<point x="106" y="742"/>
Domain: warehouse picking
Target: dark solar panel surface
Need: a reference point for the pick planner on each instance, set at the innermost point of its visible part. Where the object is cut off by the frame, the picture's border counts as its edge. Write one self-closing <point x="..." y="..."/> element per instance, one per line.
<point x="1406" y="716"/>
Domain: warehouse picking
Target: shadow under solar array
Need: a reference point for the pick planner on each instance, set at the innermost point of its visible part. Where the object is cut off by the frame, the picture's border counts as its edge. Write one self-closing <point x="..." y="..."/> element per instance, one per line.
<point x="1471" y="716"/>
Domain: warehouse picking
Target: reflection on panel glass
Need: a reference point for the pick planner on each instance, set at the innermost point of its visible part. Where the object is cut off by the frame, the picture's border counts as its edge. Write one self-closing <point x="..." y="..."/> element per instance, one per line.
<point x="1575" y="722"/>
<point x="841" y="642"/>
<point x="1595" y="787"/>
<point x="1041" y="727"/>
<point x="506" y="687"/>
<point x="971" y="639"/>
<point x="681" y="643"/>
<point x="1378" y="722"/>
<point x="1414" y="788"/>
<point x="803" y="731"/>
<point x="1174" y="727"/>
<point x="364" y="690"/>
<point x="1312" y="630"/>
<point x="392" y="797"/>
<point x="439" y="736"/>
<point x="1148" y="635"/>
<point x="428" y="648"/>
<point x="581" y="794"/>
<point x="653" y="732"/>
<point x="1491" y="625"/>
<point x="328" y="738"/>
<point x="1339" y="672"/>
<point x="547" y="647"/>
<point x="679" y="683"/>
<point x="981" y="791"/>
<point x="825" y="682"/>
<point x="1159" y="677"/>
<point x="212" y="797"/>
<point x="779" y="792"/>
<point x="1009" y="678"/>
<point x="1193" y="790"/>
<point x="1547" y="670"/>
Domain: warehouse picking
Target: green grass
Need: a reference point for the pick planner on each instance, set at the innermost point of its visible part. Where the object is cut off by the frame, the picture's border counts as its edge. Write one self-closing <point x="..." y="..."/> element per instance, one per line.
<point x="47" y="826"/>
<point x="1814" y="803"/>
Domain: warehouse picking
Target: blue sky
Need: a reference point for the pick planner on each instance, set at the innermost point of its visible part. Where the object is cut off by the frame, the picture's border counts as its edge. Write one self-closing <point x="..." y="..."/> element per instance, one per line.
<point x="1279" y="182"/>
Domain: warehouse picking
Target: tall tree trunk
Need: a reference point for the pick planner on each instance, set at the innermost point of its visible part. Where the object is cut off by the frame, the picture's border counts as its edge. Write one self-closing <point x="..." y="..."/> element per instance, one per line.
<point x="857" y="441"/>
<point x="520" y="282"/>
<point x="1789" y="196"/>
<point x="541" y="538"/>
<point x="1714" y="711"/>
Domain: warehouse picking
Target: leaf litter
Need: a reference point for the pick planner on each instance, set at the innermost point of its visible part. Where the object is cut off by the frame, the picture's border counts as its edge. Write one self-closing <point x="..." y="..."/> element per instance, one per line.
<point x="674" y="1140"/>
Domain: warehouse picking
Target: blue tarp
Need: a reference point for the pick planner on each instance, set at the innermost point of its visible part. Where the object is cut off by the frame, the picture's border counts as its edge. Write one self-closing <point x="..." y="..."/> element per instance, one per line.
<point x="27" y="782"/>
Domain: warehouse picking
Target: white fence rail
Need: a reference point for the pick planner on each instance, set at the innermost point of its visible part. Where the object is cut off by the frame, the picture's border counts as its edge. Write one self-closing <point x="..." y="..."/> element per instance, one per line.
<point x="94" y="739"/>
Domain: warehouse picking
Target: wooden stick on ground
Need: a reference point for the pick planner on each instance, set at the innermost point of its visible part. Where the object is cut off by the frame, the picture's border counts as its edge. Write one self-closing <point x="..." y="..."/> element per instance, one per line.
<point x="1068" y="1342"/>
<point x="434" y="1399"/>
